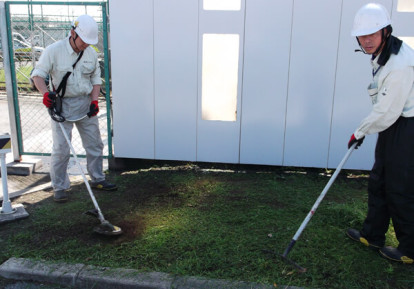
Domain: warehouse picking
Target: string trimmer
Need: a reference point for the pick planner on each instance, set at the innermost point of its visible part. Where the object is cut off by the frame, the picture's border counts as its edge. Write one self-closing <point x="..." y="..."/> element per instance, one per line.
<point x="105" y="228"/>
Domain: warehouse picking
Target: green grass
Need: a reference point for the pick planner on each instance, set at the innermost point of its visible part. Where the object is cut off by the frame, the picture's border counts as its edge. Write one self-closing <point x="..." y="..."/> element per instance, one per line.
<point x="22" y="76"/>
<point x="214" y="224"/>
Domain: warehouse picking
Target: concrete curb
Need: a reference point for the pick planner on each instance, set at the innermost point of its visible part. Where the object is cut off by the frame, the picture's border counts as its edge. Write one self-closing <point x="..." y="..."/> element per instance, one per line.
<point x="85" y="276"/>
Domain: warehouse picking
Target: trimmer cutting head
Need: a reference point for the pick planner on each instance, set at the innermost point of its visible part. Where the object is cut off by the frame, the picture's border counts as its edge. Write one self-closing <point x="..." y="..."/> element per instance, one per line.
<point x="107" y="229"/>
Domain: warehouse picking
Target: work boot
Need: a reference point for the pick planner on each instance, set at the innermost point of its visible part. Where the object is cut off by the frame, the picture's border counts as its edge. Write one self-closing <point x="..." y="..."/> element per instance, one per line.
<point x="394" y="254"/>
<point x="60" y="196"/>
<point x="104" y="185"/>
<point x="356" y="236"/>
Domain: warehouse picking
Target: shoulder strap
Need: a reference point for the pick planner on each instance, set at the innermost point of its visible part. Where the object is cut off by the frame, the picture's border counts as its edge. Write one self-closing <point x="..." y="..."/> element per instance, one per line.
<point x="62" y="85"/>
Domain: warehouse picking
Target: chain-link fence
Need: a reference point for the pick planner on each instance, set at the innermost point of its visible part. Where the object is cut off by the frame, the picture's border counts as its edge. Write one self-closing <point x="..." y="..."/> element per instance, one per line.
<point x="34" y="26"/>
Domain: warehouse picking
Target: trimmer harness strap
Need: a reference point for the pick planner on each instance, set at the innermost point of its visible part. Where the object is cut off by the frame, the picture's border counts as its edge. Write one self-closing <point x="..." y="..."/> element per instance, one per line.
<point x="56" y="110"/>
<point x="62" y="85"/>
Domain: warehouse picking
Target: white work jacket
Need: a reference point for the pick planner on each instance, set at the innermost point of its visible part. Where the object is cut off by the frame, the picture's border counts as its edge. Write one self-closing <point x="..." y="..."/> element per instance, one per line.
<point x="391" y="92"/>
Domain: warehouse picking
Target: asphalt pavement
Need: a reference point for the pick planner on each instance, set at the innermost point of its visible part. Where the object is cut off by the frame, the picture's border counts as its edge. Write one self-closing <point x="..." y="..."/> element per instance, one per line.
<point x="4" y="112"/>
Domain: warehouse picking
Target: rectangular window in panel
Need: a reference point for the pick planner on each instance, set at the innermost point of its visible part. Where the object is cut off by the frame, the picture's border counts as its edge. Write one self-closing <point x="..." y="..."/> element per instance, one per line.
<point x="408" y="40"/>
<point x="219" y="80"/>
<point x="405" y="6"/>
<point x="232" y="5"/>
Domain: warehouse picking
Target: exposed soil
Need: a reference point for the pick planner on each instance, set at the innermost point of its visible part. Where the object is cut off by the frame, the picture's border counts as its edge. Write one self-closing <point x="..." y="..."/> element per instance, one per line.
<point x="119" y="207"/>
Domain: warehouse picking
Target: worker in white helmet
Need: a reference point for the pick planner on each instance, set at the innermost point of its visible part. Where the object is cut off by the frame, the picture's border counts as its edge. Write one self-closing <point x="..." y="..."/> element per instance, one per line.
<point x="391" y="181"/>
<point x="74" y="89"/>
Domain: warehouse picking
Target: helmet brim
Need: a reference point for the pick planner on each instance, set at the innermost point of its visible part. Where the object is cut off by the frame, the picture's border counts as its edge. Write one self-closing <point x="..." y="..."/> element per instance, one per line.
<point x="90" y="41"/>
<point x="363" y="32"/>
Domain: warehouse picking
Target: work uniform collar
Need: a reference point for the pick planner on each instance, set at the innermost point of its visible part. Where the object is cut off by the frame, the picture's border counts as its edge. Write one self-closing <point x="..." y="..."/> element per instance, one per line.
<point x="392" y="46"/>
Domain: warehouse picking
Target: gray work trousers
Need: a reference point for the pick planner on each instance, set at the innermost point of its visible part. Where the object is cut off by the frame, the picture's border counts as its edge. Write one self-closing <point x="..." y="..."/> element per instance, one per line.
<point x="88" y="129"/>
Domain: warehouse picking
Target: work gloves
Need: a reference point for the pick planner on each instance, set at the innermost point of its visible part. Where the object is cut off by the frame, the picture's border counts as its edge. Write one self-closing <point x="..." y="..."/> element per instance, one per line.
<point x="353" y="140"/>
<point x="93" y="108"/>
<point x="48" y="99"/>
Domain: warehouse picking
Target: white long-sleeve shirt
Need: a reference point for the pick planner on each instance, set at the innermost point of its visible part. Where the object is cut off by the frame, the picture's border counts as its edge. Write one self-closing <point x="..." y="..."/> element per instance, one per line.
<point x="391" y="92"/>
<point x="58" y="58"/>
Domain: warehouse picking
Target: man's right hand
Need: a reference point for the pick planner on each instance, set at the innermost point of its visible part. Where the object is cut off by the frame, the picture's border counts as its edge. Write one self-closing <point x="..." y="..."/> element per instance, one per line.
<point x="48" y="99"/>
<point x="353" y="140"/>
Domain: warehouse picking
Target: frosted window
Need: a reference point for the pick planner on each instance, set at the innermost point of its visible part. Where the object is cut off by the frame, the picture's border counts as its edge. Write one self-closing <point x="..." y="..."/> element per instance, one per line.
<point x="220" y="65"/>
<point x="408" y="40"/>
<point x="222" y="4"/>
<point x="405" y="6"/>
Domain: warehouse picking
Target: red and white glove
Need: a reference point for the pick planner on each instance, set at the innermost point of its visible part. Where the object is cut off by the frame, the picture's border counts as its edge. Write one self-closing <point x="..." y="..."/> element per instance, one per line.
<point x="48" y="99"/>
<point x="93" y="108"/>
<point x="353" y="140"/>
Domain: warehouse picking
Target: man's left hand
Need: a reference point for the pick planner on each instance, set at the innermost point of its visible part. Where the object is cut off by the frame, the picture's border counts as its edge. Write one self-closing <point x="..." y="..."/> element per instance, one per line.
<point x="93" y="108"/>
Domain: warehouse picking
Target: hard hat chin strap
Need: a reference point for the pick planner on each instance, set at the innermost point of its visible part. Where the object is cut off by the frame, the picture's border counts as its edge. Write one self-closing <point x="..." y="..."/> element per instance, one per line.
<point x="76" y="34"/>
<point x="362" y="49"/>
<point x="74" y="38"/>
<point x="384" y="39"/>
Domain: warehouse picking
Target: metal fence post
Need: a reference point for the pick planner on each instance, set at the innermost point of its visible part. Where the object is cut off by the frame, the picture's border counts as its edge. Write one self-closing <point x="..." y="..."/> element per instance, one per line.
<point x="9" y="84"/>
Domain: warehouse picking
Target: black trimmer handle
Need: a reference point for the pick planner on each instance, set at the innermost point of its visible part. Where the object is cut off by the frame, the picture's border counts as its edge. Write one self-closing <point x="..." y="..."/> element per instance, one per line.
<point x="55" y="111"/>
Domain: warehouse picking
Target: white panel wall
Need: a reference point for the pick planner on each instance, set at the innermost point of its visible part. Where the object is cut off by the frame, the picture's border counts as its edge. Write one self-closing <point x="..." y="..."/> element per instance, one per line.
<point x="132" y="64"/>
<point x="175" y="62"/>
<point x="265" y="80"/>
<point x="311" y="83"/>
<point x="301" y="94"/>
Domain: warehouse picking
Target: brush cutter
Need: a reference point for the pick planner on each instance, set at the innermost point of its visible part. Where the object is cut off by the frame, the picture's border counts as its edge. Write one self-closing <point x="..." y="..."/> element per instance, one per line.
<point x="312" y="212"/>
<point x="105" y="228"/>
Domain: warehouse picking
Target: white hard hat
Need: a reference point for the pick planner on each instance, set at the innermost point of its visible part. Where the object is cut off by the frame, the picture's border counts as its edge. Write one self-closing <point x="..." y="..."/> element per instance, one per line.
<point x="87" y="29"/>
<point x="369" y="19"/>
